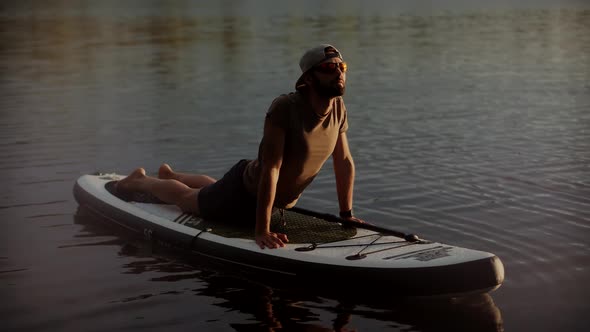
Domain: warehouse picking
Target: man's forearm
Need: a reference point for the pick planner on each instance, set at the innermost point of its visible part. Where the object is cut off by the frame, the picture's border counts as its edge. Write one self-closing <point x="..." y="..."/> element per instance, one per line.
<point x="265" y="198"/>
<point x="344" y="171"/>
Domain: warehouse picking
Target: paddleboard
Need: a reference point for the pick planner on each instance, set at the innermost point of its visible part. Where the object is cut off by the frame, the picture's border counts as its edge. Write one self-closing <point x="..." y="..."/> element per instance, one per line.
<point x="322" y="248"/>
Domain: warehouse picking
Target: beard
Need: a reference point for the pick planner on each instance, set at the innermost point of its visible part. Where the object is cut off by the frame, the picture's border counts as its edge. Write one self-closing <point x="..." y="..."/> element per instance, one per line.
<point x="328" y="90"/>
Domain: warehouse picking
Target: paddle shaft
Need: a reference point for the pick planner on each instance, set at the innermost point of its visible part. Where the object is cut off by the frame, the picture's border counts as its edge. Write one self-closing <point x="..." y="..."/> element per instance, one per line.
<point x="345" y="222"/>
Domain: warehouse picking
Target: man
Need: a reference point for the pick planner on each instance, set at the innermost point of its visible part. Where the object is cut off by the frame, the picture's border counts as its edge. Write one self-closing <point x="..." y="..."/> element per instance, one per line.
<point x="301" y="131"/>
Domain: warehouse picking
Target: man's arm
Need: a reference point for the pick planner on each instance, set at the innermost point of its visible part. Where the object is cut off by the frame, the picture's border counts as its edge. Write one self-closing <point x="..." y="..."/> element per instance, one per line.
<point x="272" y="158"/>
<point x="344" y="172"/>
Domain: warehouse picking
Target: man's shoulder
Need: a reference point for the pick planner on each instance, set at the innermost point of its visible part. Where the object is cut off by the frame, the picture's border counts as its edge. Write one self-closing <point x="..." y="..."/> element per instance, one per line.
<point x="290" y="98"/>
<point x="285" y="102"/>
<point x="280" y="111"/>
<point x="280" y="100"/>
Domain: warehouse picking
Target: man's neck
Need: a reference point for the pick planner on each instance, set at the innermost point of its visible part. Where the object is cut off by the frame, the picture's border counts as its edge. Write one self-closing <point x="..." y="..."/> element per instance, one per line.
<point x="321" y="105"/>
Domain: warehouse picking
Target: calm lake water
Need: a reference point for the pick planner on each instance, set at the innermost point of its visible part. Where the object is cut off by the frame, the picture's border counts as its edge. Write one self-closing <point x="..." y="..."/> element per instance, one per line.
<point x="469" y="123"/>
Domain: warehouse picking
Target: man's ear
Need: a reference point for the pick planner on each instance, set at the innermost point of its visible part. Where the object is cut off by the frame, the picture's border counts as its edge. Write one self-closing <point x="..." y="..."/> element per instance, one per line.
<point x="308" y="79"/>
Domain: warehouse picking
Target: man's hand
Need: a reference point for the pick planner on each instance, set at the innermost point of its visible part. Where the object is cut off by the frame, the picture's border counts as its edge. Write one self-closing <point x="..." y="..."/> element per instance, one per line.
<point x="271" y="240"/>
<point x="355" y="219"/>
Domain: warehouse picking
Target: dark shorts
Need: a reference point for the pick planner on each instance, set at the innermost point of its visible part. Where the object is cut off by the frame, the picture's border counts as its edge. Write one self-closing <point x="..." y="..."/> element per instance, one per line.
<point x="227" y="199"/>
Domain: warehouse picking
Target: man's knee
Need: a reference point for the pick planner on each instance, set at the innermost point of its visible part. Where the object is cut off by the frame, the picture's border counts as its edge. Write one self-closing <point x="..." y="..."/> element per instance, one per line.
<point x="189" y="202"/>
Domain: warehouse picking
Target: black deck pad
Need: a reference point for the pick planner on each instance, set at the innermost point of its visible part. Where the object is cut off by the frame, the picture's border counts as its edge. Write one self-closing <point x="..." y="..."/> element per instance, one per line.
<point x="299" y="228"/>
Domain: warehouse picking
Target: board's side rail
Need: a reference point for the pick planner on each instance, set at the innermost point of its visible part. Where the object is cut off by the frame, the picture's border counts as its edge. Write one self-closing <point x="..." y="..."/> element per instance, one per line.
<point x="365" y="225"/>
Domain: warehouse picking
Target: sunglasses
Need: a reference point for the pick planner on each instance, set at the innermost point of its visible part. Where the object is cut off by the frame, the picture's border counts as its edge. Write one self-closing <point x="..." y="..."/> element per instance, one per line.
<point x="330" y="67"/>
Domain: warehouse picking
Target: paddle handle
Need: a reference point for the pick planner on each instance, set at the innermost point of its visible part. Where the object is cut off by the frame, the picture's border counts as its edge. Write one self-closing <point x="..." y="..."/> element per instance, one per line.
<point x="365" y="225"/>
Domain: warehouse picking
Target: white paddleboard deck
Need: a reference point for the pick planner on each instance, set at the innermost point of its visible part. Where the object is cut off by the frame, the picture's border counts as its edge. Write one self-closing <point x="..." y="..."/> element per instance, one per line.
<point x="331" y="251"/>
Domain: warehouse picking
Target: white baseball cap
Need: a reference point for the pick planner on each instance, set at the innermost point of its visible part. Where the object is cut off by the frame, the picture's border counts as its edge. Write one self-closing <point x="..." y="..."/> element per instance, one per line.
<point x="313" y="57"/>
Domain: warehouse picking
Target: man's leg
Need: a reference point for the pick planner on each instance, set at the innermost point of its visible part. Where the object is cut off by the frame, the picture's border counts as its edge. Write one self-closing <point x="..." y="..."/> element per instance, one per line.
<point x="192" y="180"/>
<point x="168" y="190"/>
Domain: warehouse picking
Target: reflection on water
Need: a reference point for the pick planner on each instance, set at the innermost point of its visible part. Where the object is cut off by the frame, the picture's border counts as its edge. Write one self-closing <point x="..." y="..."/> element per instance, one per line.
<point x="469" y="125"/>
<point x="276" y="304"/>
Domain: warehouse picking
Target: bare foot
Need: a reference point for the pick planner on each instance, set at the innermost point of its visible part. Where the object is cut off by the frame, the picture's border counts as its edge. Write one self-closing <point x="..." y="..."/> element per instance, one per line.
<point x="165" y="172"/>
<point x="129" y="184"/>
